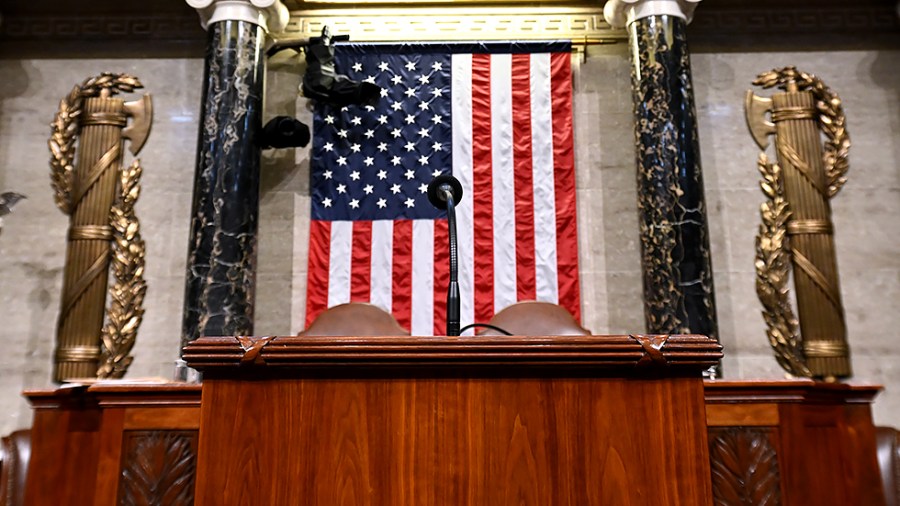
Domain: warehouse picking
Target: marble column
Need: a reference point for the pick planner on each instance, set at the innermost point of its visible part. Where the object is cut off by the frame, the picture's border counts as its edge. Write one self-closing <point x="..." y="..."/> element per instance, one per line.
<point x="675" y="256"/>
<point x="221" y="266"/>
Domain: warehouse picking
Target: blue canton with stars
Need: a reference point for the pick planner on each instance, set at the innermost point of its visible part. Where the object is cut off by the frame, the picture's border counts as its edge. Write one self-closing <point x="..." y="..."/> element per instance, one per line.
<point x="375" y="163"/>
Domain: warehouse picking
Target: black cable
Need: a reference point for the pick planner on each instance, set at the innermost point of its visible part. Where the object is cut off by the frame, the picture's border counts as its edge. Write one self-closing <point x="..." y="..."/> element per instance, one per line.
<point x="487" y="326"/>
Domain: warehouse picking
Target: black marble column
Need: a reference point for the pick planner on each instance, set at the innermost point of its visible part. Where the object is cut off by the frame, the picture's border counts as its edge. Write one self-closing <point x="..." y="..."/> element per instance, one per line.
<point x="678" y="282"/>
<point x="221" y="264"/>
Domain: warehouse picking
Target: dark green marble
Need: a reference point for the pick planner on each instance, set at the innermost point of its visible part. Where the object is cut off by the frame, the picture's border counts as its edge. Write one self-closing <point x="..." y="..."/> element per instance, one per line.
<point x="221" y="266"/>
<point x="678" y="282"/>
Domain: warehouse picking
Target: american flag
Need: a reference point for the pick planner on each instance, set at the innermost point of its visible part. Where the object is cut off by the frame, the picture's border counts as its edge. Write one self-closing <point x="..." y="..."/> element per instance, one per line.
<point x="498" y="116"/>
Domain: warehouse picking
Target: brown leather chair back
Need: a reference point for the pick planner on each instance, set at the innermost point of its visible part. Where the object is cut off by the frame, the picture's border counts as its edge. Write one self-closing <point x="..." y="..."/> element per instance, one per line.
<point x="532" y="318"/>
<point x="15" y="453"/>
<point x="888" y="440"/>
<point x="354" y="319"/>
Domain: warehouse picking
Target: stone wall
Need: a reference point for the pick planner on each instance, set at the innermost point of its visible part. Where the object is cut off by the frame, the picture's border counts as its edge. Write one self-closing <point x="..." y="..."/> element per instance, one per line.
<point x="32" y="240"/>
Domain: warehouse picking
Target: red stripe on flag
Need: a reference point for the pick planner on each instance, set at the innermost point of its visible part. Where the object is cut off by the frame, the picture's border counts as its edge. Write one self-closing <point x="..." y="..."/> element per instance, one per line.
<point x="523" y="179"/>
<point x="564" y="183"/>
<point x="361" y="262"/>
<point x="441" y="275"/>
<point x="483" y="193"/>
<point x="317" y="273"/>
<point x="401" y="289"/>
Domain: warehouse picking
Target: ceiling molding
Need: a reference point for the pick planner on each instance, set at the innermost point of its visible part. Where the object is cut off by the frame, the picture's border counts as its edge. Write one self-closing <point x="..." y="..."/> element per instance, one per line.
<point x="386" y="24"/>
<point x="170" y="28"/>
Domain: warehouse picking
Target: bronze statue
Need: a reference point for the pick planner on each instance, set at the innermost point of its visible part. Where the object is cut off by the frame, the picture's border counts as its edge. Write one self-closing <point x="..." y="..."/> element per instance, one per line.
<point x="98" y="193"/>
<point x="796" y="228"/>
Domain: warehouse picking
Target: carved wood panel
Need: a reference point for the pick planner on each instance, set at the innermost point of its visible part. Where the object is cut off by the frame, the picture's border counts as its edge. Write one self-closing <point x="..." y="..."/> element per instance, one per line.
<point x="158" y="467"/>
<point x="744" y="466"/>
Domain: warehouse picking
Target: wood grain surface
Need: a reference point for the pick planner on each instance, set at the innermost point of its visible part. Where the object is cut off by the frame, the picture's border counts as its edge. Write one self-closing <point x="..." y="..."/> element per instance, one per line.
<point x="829" y="455"/>
<point x="82" y="445"/>
<point x="821" y="434"/>
<point x="453" y="441"/>
<point x="64" y="454"/>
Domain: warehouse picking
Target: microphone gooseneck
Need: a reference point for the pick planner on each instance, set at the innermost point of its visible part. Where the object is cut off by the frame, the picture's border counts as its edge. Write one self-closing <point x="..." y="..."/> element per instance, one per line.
<point x="453" y="289"/>
<point x="444" y="192"/>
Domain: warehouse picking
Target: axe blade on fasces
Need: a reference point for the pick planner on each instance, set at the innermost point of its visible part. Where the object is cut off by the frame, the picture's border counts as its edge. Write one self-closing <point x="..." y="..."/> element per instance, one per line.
<point x="755" y="110"/>
<point x="141" y="112"/>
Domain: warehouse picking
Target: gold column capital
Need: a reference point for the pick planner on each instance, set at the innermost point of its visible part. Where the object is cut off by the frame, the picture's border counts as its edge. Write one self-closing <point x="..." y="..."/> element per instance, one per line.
<point x="272" y="15"/>
<point x="621" y="13"/>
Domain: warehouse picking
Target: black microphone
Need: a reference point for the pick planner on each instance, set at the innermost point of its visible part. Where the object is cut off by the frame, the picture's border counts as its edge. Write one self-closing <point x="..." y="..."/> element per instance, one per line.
<point x="444" y="192"/>
<point x="285" y="132"/>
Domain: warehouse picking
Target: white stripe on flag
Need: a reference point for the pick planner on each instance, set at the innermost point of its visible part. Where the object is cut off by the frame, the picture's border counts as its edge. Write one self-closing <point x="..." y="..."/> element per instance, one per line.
<point x="503" y="187"/>
<point x="547" y="287"/>
<point x="382" y="264"/>
<point x="422" y="278"/>
<point x="339" y="262"/>
<point x="461" y="112"/>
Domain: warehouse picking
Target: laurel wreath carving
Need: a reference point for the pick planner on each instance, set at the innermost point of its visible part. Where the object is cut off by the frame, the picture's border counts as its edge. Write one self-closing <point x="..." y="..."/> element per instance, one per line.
<point x="744" y="467"/>
<point x="831" y="120"/>
<point x="126" y="308"/>
<point x="772" y="272"/>
<point x="159" y="467"/>
<point x="125" y="311"/>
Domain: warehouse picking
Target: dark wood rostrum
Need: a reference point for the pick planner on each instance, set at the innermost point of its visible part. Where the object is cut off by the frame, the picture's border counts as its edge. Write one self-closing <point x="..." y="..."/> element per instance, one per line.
<point x="594" y="420"/>
<point x="567" y="425"/>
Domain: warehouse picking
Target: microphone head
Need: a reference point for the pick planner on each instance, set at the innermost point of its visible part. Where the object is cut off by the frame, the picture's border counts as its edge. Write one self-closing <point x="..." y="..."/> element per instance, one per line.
<point x="436" y="192"/>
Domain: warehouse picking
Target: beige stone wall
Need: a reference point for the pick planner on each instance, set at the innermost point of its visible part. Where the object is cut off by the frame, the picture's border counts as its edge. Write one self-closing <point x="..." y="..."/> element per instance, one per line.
<point x="866" y="212"/>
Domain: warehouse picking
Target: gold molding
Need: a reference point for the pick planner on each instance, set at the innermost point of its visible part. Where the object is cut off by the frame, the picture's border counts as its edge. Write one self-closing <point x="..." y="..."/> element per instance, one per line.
<point x="390" y="24"/>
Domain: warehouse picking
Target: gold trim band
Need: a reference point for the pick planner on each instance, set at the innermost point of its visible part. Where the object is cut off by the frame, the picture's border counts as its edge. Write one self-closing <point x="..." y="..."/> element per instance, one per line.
<point x="796" y="227"/>
<point x="105" y="118"/>
<point x="91" y="232"/>
<point x="793" y="113"/>
<point x="77" y="354"/>
<point x="826" y="349"/>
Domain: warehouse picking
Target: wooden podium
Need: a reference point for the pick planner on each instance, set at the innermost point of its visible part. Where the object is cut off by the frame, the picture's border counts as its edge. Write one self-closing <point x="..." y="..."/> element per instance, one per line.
<point x="415" y="421"/>
<point x="788" y="442"/>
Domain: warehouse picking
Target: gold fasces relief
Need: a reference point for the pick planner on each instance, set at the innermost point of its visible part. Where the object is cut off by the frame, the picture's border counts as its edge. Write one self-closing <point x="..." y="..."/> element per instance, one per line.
<point x="796" y="235"/>
<point x="92" y="187"/>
